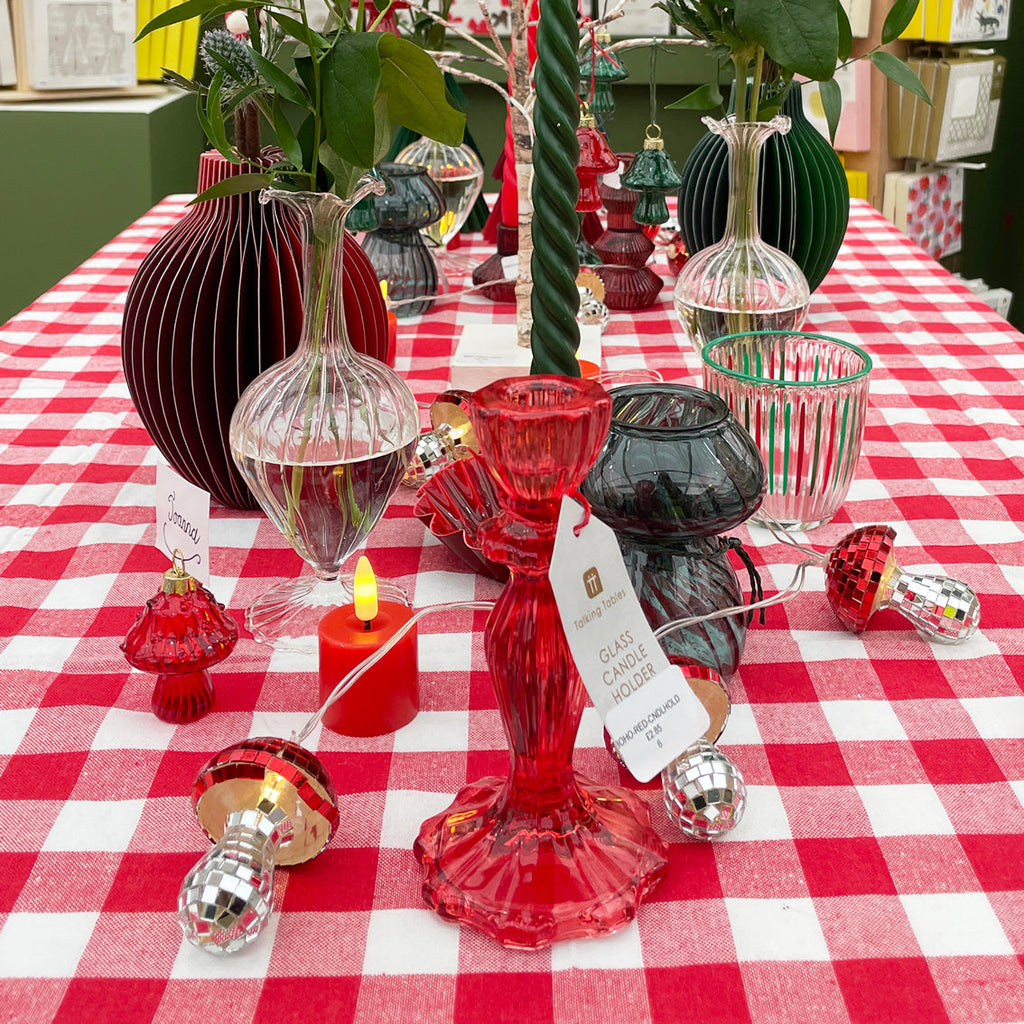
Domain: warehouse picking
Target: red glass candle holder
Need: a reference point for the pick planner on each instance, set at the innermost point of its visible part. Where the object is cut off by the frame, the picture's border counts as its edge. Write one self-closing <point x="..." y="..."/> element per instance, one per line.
<point x="386" y="696"/>
<point x="543" y="854"/>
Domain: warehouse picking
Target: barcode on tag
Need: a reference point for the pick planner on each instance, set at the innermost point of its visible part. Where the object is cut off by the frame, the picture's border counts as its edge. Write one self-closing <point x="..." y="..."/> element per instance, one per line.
<point x="620" y="661"/>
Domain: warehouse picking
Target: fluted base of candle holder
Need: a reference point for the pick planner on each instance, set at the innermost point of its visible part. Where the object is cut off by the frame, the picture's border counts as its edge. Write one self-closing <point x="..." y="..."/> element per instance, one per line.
<point x="529" y="878"/>
<point x="288" y="616"/>
<point x="504" y="288"/>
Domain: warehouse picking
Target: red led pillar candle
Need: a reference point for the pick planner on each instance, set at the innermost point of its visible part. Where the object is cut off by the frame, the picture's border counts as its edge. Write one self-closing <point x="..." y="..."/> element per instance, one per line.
<point x="386" y="696"/>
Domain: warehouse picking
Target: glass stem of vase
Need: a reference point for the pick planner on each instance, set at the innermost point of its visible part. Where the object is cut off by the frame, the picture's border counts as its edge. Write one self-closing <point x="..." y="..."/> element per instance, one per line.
<point x="744" y="160"/>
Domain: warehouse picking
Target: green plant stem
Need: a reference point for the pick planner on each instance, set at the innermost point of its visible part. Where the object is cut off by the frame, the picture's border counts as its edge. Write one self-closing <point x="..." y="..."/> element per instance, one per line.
<point x="739" y="66"/>
<point x="755" y="92"/>
<point x="380" y="17"/>
<point x="319" y="284"/>
<point x="314" y="157"/>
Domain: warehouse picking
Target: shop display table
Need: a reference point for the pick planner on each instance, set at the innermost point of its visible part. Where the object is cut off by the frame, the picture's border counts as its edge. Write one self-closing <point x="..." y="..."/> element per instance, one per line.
<point x="878" y="874"/>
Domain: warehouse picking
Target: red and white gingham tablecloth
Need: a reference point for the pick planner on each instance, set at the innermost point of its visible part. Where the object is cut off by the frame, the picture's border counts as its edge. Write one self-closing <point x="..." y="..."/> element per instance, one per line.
<point x="878" y="875"/>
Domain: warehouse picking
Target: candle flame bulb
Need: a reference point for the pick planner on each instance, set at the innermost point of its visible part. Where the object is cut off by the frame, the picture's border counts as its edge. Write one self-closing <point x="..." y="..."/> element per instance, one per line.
<point x="863" y="577"/>
<point x="364" y="587"/>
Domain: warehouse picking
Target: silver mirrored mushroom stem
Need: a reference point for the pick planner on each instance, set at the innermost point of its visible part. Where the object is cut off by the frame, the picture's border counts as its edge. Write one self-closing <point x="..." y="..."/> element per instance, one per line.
<point x="704" y="792"/>
<point x="264" y="802"/>
<point x="451" y="437"/>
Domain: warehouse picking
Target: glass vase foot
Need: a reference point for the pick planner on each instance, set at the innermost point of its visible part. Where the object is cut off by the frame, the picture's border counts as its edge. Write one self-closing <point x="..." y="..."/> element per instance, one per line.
<point x="452" y="263"/>
<point x="288" y="615"/>
<point x="529" y="878"/>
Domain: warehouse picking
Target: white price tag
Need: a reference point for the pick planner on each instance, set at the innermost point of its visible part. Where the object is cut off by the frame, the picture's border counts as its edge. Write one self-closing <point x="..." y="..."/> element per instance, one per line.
<point x="183" y="521"/>
<point x="647" y="726"/>
<point x="613" y="646"/>
<point x="510" y="266"/>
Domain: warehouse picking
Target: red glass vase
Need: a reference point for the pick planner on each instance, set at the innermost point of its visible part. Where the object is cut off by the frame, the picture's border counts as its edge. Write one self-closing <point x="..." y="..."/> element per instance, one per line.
<point x="543" y="854"/>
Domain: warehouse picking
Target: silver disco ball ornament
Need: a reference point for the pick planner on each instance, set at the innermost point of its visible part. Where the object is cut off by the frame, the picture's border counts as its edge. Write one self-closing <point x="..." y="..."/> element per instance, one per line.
<point x="704" y="791"/>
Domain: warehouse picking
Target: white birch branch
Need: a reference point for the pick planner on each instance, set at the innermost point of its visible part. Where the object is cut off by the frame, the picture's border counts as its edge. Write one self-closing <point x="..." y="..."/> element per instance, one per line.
<point x="489" y="22"/>
<point x="461" y="33"/>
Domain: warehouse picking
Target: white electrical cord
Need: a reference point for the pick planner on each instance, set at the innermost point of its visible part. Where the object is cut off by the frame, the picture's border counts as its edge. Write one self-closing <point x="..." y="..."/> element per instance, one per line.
<point x="345" y="683"/>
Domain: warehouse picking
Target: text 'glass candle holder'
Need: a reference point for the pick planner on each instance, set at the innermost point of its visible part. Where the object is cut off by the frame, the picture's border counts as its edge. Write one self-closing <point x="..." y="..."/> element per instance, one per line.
<point x="386" y="696"/>
<point x="803" y="398"/>
<point x="543" y="854"/>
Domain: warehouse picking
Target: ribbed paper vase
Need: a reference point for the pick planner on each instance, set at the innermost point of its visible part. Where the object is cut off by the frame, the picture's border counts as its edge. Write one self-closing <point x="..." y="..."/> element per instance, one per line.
<point x="216" y="302"/>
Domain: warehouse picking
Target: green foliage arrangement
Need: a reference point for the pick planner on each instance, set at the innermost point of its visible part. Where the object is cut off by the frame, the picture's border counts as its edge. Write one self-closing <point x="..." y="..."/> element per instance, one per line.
<point x="331" y="96"/>
<point x="767" y="42"/>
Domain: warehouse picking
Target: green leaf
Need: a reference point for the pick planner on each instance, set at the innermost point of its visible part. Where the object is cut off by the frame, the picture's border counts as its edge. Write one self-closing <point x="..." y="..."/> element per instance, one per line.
<point x="204" y="121"/>
<point x="351" y="78"/>
<point x="898" y="19"/>
<point x="286" y="137"/>
<point x="205" y="9"/>
<point x="344" y="174"/>
<point x="239" y="98"/>
<point x="704" y="98"/>
<point x="181" y="82"/>
<point x="232" y="73"/>
<point x="382" y="134"/>
<point x="832" y="104"/>
<point x="892" y="67"/>
<point x="845" y="33"/>
<point x="308" y="144"/>
<point x="280" y="81"/>
<point x="688" y="19"/>
<point x="236" y="185"/>
<point x="304" y="69"/>
<point x="252" y="19"/>
<point x="415" y="90"/>
<point x="215" y="115"/>
<point x="800" y="35"/>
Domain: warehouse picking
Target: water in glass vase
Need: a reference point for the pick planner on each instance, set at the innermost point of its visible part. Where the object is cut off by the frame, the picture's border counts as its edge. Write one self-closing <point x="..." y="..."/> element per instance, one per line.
<point x="459" y="195"/>
<point x="706" y="323"/>
<point x="325" y="509"/>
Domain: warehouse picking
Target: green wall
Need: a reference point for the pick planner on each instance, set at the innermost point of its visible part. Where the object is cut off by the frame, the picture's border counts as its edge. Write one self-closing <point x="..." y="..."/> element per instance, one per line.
<point x="73" y="178"/>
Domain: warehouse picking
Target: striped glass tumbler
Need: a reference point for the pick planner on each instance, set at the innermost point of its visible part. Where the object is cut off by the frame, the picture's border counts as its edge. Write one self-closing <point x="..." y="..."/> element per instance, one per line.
<point x="803" y="399"/>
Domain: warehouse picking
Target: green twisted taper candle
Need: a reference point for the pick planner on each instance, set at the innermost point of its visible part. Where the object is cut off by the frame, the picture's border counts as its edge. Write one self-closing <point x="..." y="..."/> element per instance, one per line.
<point x="554" y="265"/>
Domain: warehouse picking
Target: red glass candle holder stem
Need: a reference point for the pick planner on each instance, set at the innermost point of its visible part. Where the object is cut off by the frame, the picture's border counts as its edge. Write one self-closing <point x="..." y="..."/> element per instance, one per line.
<point x="182" y="696"/>
<point x="543" y="854"/>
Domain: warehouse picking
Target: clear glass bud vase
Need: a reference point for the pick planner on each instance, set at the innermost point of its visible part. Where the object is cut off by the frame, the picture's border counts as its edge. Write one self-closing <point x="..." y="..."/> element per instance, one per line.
<point x="742" y="283"/>
<point x="323" y="437"/>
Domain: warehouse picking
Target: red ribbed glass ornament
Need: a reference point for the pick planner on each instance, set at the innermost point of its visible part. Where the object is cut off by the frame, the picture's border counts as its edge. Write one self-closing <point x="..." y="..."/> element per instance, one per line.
<point x="596" y="158"/>
<point x="180" y="633"/>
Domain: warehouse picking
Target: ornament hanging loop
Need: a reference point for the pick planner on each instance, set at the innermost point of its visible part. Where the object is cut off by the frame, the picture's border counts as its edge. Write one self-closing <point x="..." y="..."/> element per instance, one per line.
<point x="652" y="137"/>
<point x="177" y="579"/>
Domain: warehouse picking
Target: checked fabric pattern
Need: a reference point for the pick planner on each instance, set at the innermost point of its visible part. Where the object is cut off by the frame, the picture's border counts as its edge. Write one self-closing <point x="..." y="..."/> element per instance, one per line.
<point x="877" y="876"/>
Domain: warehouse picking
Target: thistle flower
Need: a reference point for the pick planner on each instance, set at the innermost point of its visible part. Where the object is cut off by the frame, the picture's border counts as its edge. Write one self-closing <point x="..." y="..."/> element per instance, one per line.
<point x="222" y="51"/>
